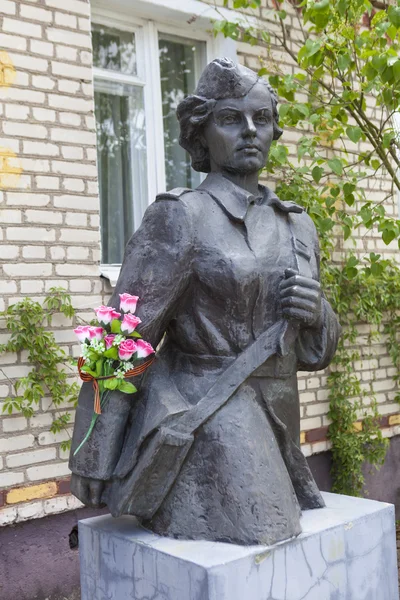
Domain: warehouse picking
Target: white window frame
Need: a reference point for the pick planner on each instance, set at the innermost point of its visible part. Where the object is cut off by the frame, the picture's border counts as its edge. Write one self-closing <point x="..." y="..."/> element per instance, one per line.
<point x="128" y="16"/>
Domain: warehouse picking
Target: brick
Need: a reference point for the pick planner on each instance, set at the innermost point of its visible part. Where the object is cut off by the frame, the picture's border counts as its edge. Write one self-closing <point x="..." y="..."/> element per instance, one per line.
<point x="44" y="114"/>
<point x="17" y="111"/>
<point x="35" y="14"/>
<point x="70" y="119"/>
<point x="42" y="82"/>
<point x="46" y="438"/>
<point x="24" y="130"/>
<point x="71" y="70"/>
<point x="47" y="183"/>
<point x="80" y="285"/>
<point x="316" y="435"/>
<point x="8" y="287"/>
<point x="8" y="7"/>
<point x="74" y="168"/>
<point x="32" y="492"/>
<point x="31" y="458"/>
<point x="94" y="221"/>
<point x="41" y="420"/>
<point x="10" y="216"/>
<point x="33" y="510"/>
<point x="31" y="63"/>
<point x="57" y="253"/>
<point x="28" y="270"/>
<point x="73" y="136"/>
<point x="317" y="409"/>
<point x="56" y="505"/>
<point x="73" y="185"/>
<point x="66" y="53"/>
<point x="35" y="165"/>
<point x="2" y="498"/>
<point x="43" y="48"/>
<point x="65" y="20"/>
<point x="68" y="86"/>
<point x="69" y="38"/>
<point x="10" y="478"/>
<point x="43" y="216"/>
<point x="75" y="6"/>
<point x="27" y="199"/>
<point x="302" y="437"/>
<point x="72" y="152"/>
<point x="12" y="42"/>
<point x="8" y="515"/>
<point x="22" y="27"/>
<point x="76" y="202"/>
<point x="9" y="252"/>
<point x="68" y="103"/>
<point x="86" y="58"/>
<point x="48" y="471"/>
<point x="394" y="420"/>
<point x="14" y="424"/>
<point x="40" y="148"/>
<point x="75" y="235"/>
<point x="84" y="24"/>
<point x="19" y="442"/>
<point x="31" y="286"/>
<point x="31" y="234"/>
<point x="77" y="253"/>
<point x="64" y="486"/>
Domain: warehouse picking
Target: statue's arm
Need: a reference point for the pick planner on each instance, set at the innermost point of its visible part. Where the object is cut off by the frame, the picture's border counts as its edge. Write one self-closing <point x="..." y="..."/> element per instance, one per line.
<point x="157" y="268"/>
<point x="316" y="346"/>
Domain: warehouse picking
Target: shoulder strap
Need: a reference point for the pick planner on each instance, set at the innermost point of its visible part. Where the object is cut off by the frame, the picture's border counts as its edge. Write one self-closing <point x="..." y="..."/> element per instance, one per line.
<point x="276" y="340"/>
<point x="174" y="194"/>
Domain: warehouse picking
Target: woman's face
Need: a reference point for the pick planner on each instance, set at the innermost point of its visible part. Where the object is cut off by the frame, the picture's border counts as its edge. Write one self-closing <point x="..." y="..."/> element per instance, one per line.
<point x="239" y="132"/>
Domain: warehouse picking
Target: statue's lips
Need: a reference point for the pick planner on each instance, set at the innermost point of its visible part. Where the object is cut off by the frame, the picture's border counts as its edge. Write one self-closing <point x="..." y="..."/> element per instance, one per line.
<point x="249" y="148"/>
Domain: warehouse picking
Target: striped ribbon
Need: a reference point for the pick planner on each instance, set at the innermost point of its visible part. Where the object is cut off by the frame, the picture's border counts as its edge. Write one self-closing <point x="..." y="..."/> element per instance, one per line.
<point x="88" y="377"/>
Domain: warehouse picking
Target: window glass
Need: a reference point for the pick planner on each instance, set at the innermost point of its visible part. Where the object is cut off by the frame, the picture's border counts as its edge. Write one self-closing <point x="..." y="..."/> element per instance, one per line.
<point x="122" y="164"/>
<point x="114" y="50"/>
<point x="181" y="63"/>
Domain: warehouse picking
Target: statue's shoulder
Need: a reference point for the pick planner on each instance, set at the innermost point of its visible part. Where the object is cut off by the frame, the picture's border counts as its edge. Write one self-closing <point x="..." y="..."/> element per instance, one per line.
<point x="175" y="194"/>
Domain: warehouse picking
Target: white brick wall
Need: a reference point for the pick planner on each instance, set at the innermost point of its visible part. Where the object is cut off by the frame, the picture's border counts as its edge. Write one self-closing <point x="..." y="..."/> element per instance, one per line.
<point x="50" y="214"/>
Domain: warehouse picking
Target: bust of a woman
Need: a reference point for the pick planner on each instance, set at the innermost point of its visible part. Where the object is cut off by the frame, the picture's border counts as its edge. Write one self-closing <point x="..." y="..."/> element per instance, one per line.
<point x="216" y="268"/>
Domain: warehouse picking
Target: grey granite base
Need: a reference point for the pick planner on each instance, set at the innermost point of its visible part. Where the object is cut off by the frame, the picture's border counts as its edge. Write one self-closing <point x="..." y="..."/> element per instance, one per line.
<point x="347" y="551"/>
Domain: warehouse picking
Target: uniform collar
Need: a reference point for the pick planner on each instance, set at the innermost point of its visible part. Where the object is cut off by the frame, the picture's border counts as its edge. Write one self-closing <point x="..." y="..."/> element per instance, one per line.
<point x="235" y="201"/>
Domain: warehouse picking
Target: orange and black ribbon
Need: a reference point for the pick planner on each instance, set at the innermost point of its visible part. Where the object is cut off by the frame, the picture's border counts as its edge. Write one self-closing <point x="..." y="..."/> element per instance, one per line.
<point x="88" y="377"/>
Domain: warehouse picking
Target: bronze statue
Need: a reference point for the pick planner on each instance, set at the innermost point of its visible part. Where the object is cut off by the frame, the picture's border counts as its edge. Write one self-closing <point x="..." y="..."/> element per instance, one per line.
<point x="228" y="274"/>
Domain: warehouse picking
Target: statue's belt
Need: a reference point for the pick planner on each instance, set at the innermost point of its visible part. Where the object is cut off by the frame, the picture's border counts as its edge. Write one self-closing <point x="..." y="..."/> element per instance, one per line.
<point x="143" y="490"/>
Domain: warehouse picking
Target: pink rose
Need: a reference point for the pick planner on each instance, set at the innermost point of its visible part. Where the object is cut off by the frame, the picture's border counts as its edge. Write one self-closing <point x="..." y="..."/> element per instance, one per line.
<point x="82" y="333"/>
<point x="126" y="349"/>
<point x="128" y="303"/>
<point x="144" y="349"/>
<point x="129" y="323"/>
<point x="108" y="339"/>
<point x="105" y="314"/>
<point x="96" y="333"/>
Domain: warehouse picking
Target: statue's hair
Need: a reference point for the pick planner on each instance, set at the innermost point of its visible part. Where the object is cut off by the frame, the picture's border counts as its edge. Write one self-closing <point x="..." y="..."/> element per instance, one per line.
<point x="193" y="112"/>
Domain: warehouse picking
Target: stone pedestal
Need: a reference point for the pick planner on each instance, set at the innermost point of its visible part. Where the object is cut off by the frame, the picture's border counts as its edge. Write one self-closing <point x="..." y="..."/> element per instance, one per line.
<point x="347" y="551"/>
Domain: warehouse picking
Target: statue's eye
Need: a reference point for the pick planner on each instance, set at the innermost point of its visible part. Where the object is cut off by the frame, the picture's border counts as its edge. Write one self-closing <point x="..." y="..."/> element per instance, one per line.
<point x="262" y="119"/>
<point x="229" y="119"/>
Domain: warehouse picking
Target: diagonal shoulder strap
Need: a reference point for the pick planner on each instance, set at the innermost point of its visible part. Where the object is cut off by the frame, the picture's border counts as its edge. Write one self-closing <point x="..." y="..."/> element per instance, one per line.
<point x="276" y="340"/>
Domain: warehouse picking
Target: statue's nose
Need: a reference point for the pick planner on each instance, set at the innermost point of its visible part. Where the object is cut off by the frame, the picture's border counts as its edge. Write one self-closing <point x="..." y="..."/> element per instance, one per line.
<point x="249" y="127"/>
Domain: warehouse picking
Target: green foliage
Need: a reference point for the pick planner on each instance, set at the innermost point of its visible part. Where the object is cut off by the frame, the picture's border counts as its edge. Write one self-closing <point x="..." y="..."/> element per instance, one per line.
<point x="347" y="67"/>
<point x="27" y="321"/>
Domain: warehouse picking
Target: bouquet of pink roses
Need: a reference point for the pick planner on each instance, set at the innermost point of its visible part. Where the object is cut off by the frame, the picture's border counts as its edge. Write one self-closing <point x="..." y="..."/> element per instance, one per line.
<point x="110" y="351"/>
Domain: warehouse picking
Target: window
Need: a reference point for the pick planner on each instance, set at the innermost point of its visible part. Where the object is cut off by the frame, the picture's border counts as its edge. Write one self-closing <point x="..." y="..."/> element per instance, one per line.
<point x="138" y="150"/>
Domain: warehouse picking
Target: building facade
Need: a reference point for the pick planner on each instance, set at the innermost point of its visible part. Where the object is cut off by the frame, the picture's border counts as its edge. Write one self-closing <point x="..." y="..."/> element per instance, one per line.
<point x="88" y="137"/>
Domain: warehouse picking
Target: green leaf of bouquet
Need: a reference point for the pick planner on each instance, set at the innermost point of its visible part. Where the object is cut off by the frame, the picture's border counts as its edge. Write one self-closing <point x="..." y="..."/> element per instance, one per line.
<point x="126" y="387"/>
<point x="99" y="367"/>
<point x="86" y="369"/>
<point x="111" y="353"/>
<point x="115" y="326"/>
<point x="111" y="384"/>
<point x="135" y="334"/>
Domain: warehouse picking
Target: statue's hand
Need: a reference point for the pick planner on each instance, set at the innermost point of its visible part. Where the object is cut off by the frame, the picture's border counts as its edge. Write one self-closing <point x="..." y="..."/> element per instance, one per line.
<point x="88" y="490"/>
<point x="301" y="299"/>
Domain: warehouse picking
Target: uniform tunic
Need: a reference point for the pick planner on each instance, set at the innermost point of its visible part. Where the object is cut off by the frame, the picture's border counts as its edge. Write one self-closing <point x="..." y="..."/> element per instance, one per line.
<point x="207" y="265"/>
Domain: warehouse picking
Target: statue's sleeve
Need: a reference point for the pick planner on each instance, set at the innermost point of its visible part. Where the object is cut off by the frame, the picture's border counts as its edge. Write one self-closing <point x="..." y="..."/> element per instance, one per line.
<point x="157" y="268"/>
<point x="316" y="346"/>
